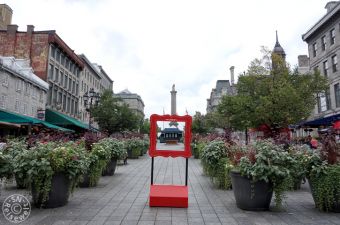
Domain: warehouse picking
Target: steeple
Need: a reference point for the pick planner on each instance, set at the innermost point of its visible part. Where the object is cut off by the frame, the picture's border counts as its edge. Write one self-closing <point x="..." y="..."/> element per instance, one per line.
<point x="278" y="49"/>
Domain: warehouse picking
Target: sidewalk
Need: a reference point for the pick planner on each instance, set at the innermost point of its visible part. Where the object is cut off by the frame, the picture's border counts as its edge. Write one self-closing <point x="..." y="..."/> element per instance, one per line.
<point x="123" y="199"/>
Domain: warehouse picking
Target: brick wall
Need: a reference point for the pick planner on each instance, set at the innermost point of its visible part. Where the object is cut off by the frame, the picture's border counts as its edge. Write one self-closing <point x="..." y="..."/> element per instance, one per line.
<point x="25" y="45"/>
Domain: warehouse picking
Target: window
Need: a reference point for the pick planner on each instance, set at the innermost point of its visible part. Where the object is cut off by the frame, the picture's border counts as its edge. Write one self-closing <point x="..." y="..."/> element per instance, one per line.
<point x="334" y="63"/>
<point x="26" y="88"/>
<point x="4" y="79"/>
<point x="62" y="59"/>
<point x="72" y="106"/>
<point x="61" y="78"/>
<point x="64" y="102"/>
<point x="69" y="83"/>
<point x="3" y="100"/>
<point x="332" y="36"/>
<point x="16" y="106"/>
<point x="323" y="43"/>
<point x="41" y="95"/>
<point x="325" y="68"/>
<point x="52" y="51"/>
<point x="322" y="102"/>
<point x="73" y="87"/>
<point x="50" y="71"/>
<point x="58" y="56"/>
<point x="25" y="108"/>
<point x="56" y="74"/>
<point x="68" y="104"/>
<point x="77" y="86"/>
<point x="65" y="82"/>
<point x="337" y="95"/>
<point x="60" y="98"/>
<point x="18" y="85"/>
<point x="315" y="49"/>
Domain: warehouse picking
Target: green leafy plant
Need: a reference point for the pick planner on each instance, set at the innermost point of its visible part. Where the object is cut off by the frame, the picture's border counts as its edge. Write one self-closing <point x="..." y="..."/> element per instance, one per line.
<point x="44" y="160"/>
<point x="268" y="162"/>
<point x="211" y="154"/>
<point x="114" y="146"/>
<point x="6" y="167"/>
<point x="134" y="146"/>
<point x="323" y="173"/>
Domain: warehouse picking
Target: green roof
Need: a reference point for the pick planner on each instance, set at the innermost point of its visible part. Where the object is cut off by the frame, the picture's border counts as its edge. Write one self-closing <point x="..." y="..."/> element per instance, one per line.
<point x="11" y="117"/>
<point x="60" y="119"/>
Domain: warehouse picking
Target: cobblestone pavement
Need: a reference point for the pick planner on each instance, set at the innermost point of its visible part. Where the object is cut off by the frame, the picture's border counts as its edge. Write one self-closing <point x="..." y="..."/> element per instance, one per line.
<point x="123" y="199"/>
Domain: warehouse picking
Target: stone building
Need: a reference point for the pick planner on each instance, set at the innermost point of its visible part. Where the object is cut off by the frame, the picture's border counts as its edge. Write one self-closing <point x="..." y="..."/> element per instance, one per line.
<point x="134" y="101"/>
<point x="323" y="40"/>
<point x="5" y="16"/>
<point x="21" y="91"/>
<point x="90" y="79"/>
<point x="223" y="87"/>
<point x="105" y="82"/>
<point x="52" y="60"/>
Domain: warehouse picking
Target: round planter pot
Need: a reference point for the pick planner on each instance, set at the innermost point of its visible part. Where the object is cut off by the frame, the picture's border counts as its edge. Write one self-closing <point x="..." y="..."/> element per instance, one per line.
<point x="133" y="153"/>
<point x="111" y="168"/>
<point x="141" y="152"/>
<point x="58" y="195"/>
<point x="335" y="206"/>
<point x="85" y="182"/>
<point x="249" y="195"/>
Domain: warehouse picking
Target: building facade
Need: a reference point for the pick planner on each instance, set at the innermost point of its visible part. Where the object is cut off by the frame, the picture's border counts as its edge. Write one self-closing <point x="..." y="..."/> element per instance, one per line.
<point x="134" y="101"/>
<point x="52" y="60"/>
<point x="105" y="82"/>
<point x="323" y="40"/>
<point x="21" y="91"/>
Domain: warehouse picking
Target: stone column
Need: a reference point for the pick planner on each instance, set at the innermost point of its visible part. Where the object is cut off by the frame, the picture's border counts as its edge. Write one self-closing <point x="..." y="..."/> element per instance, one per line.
<point x="173" y="100"/>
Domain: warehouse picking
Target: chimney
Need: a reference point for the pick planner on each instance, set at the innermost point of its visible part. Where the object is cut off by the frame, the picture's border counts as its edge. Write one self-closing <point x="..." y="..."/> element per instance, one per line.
<point x="12" y="29"/>
<point x="232" y="75"/>
<point x="330" y="5"/>
<point x="30" y="29"/>
<point x="303" y="61"/>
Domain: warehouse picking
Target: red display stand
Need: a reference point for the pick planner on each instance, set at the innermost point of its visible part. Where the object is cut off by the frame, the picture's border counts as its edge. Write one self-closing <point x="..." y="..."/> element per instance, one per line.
<point x="169" y="195"/>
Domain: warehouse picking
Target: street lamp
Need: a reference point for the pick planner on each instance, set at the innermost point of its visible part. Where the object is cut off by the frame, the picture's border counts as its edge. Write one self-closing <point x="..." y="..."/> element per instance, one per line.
<point x="91" y="98"/>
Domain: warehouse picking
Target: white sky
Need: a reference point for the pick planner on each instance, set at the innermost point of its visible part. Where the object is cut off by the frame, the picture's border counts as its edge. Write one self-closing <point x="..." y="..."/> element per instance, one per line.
<point x="148" y="45"/>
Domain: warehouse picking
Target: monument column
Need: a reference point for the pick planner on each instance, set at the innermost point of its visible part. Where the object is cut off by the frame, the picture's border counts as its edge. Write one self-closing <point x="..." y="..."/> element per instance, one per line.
<point x="173" y="100"/>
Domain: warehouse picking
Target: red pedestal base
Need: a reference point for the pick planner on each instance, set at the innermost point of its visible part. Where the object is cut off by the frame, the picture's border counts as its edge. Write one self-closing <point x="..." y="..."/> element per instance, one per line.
<point x="169" y="196"/>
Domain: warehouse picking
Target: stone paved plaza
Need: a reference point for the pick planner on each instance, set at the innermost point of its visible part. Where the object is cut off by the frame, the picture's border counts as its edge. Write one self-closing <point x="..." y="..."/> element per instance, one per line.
<point x="123" y="199"/>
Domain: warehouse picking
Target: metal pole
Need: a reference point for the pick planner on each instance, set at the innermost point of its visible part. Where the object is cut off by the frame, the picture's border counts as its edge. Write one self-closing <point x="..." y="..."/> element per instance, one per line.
<point x="186" y="171"/>
<point x="152" y="161"/>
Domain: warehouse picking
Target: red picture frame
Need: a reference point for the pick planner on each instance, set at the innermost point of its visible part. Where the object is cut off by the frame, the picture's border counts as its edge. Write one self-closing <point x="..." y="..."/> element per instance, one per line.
<point x="153" y="151"/>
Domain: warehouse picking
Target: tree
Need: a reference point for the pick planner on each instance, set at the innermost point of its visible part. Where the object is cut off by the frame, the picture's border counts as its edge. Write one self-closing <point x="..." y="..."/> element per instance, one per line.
<point x="275" y="96"/>
<point x="113" y="115"/>
<point x="145" y="127"/>
<point x="199" y="124"/>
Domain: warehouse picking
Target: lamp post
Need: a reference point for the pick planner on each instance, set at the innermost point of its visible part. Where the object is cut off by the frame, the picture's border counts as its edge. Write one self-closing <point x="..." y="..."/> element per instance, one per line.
<point x="91" y="98"/>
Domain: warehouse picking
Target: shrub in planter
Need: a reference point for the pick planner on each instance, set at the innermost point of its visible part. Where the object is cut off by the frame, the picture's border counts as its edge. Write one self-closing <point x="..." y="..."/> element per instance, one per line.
<point x="265" y="165"/>
<point x="211" y="154"/>
<point x="13" y="148"/>
<point x="117" y="151"/>
<point x="323" y="173"/>
<point x="54" y="171"/>
<point x="133" y="146"/>
<point x="98" y="157"/>
<point x="6" y="167"/>
<point x="298" y="170"/>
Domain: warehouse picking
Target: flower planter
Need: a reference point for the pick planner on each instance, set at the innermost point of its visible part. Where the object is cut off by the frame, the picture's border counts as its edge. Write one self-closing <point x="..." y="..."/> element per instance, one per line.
<point x="111" y="168"/>
<point x="141" y="152"/>
<point x="249" y="195"/>
<point x="58" y="195"/>
<point x="336" y="205"/>
<point x="133" y="153"/>
<point x="85" y="182"/>
<point x="297" y="184"/>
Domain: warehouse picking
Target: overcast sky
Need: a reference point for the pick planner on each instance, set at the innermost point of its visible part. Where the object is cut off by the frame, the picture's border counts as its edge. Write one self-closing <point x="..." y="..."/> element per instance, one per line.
<point x="148" y="45"/>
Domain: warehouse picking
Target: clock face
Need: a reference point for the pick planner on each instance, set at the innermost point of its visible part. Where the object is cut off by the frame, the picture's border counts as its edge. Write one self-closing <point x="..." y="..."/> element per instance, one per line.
<point x="170" y="135"/>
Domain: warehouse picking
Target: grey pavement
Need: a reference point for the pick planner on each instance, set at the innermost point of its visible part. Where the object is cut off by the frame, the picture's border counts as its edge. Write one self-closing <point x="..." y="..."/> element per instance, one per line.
<point x="123" y="199"/>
